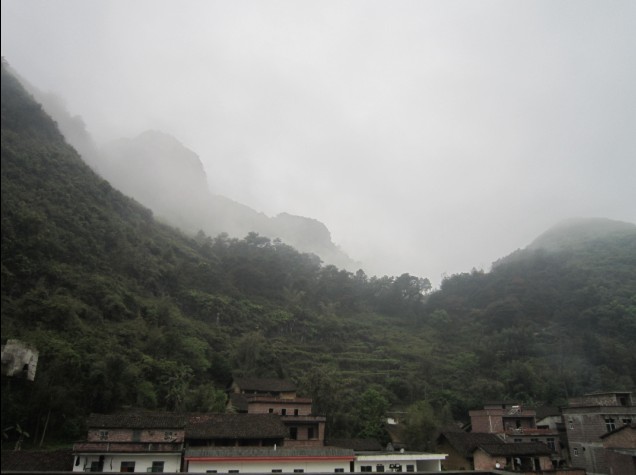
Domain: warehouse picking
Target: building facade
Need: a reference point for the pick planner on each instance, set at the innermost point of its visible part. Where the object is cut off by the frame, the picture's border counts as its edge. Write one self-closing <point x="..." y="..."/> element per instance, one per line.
<point x="587" y="419"/>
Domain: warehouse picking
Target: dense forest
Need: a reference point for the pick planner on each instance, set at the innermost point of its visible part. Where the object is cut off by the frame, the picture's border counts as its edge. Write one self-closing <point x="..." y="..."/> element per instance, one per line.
<point x="129" y="313"/>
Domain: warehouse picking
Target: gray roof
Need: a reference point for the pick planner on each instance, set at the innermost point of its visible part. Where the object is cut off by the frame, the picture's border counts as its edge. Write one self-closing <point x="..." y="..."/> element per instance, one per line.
<point x="137" y="420"/>
<point x="235" y="426"/>
<point x="466" y="442"/>
<point x="521" y="448"/>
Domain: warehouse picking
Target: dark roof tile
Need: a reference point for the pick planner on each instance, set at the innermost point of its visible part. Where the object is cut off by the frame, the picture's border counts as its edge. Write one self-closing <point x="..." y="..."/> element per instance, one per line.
<point x="523" y="448"/>
<point x="235" y="426"/>
<point x="137" y="420"/>
<point x="467" y="442"/>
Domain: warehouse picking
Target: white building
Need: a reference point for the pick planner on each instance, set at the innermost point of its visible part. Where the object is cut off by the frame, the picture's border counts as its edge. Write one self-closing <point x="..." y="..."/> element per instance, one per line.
<point x="268" y="460"/>
<point x="398" y="462"/>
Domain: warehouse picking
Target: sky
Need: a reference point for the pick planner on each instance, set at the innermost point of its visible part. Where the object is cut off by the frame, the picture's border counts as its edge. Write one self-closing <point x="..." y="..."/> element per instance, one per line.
<point x="431" y="137"/>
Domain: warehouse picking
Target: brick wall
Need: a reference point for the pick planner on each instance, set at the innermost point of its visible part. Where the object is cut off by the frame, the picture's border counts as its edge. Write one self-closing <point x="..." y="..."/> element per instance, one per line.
<point x="483" y="461"/>
<point x="130" y="435"/>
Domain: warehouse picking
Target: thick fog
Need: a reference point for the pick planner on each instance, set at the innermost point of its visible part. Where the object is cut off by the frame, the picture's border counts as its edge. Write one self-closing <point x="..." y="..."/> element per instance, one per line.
<point x="431" y="137"/>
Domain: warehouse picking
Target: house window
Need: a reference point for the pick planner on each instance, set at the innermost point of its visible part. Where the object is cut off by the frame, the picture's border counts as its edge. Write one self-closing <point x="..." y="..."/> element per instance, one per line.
<point x="626" y="421"/>
<point x="517" y="441"/>
<point x="232" y="471"/>
<point x="127" y="467"/>
<point x="283" y="412"/>
<point x="295" y="412"/>
<point x="299" y="470"/>
<point x="576" y="451"/>
<point x="271" y="410"/>
<point x="168" y="435"/>
<point x="310" y="433"/>
<point x="96" y="467"/>
<point x="157" y="467"/>
<point x="293" y="433"/>
<point x="410" y="468"/>
<point x="339" y="470"/>
<point x="365" y="468"/>
<point x="550" y="443"/>
<point x="277" y="470"/>
<point x="103" y="435"/>
<point x="609" y="424"/>
<point x="379" y="468"/>
<point x="136" y="435"/>
<point x="210" y="471"/>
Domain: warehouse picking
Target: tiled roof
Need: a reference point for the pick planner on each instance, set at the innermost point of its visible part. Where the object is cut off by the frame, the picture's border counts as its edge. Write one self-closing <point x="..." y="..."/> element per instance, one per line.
<point x="36" y="461"/>
<point x="366" y="445"/>
<point x="137" y="420"/>
<point x="235" y="426"/>
<point x="522" y="448"/>
<point x="269" y="452"/>
<point x="264" y="385"/>
<point x="466" y="442"/>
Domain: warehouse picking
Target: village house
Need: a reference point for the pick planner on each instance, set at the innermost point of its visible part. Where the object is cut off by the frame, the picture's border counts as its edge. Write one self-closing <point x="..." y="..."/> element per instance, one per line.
<point x="139" y="442"/>
<point x="279" y="396"/>
<point x="513" y="422"/>
<point x="401" y="461"/>
<point x="460" y="447"/>
<point x="588" y="418"/>
<point x="518" y="457"/>
<point x="222" y="443"/>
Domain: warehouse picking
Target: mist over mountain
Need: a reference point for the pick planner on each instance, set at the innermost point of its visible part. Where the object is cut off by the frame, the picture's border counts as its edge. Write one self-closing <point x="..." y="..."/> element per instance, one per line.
<point x="577" y="235"/>
<point x="167" y="177"/>
<point x="579" y="232"/>
<point x="163" y="174"/>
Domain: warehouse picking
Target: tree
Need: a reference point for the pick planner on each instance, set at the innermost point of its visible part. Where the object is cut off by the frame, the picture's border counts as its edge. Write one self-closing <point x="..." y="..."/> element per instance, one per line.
<point x="369" y="416"/>
<point x="420" y="426"/>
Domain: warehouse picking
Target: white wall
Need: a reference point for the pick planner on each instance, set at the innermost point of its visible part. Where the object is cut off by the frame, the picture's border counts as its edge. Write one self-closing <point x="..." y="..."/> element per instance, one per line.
<point x="266" y="466"/>
<point x="143" y="462"/>
<point x="422" y="462"/>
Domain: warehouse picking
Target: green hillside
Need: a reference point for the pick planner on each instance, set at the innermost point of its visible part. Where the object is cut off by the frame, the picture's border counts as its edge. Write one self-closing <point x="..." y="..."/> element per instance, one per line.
<point x="126" y="312"/>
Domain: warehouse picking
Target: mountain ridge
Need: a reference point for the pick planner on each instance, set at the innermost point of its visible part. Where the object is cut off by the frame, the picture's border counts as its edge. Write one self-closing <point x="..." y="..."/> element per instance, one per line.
<point x="580" y="231"/>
